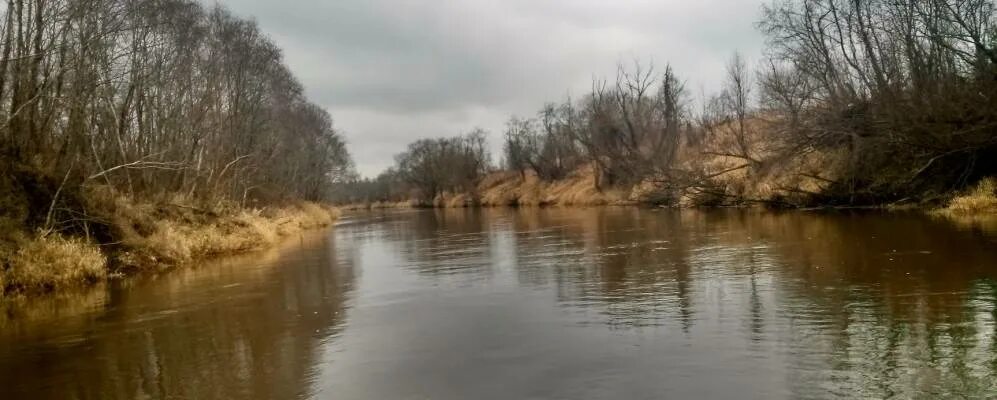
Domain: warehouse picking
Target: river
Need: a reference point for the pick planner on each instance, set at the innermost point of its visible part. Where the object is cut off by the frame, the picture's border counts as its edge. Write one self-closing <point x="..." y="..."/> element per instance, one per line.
<point x="602" y="303"/>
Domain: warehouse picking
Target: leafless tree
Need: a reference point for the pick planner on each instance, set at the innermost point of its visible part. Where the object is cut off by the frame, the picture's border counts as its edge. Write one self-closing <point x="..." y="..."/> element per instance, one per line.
<point x="908" y="89"/>
<point x="158" y="96"/>
<point x="434" y="166"/>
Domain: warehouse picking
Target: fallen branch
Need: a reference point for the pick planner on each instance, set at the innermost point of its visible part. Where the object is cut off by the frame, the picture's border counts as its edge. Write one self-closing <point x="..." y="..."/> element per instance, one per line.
<point x="741" y="156"/>
<point x="142" y="164"/>
<point x="930" y="162"/>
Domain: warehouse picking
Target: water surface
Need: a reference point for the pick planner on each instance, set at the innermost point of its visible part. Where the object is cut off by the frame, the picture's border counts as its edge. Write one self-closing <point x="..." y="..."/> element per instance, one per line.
<point x="606" y="303"/>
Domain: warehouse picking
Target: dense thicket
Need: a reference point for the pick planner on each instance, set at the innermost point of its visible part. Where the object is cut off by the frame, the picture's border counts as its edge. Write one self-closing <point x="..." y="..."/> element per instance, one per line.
<point x="906" y="89"/>
<point x="156" y="96"/>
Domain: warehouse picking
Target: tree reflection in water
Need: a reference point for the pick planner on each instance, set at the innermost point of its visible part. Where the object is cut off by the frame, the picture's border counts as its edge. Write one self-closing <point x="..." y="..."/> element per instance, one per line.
<point x="568" y="303"/>
<point x="247" y="327"/>
<point x="861" y="304"/>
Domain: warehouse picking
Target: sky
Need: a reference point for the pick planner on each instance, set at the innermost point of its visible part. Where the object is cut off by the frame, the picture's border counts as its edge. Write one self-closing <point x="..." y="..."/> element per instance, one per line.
<point x="394" y="71"/>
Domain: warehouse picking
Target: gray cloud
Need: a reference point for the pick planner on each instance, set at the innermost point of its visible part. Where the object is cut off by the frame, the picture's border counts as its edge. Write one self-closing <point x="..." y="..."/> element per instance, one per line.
<point x="392" y="71"/>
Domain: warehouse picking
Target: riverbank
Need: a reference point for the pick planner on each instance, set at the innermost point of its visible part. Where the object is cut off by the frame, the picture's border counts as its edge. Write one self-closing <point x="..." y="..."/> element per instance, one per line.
<point x="981" y="199"/>
<point x="512" y="189"/>
<point x="115" y="234"/>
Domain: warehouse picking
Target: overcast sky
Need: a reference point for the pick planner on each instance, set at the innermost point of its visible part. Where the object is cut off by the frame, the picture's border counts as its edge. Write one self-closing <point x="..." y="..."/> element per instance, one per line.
<point x="393" y="71"/>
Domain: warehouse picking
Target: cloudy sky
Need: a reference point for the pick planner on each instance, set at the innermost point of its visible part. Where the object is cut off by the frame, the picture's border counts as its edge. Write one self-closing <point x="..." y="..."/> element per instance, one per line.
<point x="393" y="71"/>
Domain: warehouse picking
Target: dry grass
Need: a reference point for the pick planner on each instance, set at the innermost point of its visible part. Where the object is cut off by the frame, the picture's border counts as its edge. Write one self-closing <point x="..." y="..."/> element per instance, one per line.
<point x="578" y="189"/>
<point x="982" y="199"/>
<point x="175" y="233"/>
<point x="143" y="234"/>
<point x="512" y="189"/>
<point x="976" y="209"/>
<point x="47" y="261"/>
<point x="381" y="205"/>
<point x="767" y="176"/>
<point x="455" y="200"/>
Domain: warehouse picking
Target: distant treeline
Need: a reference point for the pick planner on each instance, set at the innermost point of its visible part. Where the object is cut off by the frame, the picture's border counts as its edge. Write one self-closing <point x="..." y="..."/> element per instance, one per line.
<point x="854" y="102"/>
<point x="154" y="97"/>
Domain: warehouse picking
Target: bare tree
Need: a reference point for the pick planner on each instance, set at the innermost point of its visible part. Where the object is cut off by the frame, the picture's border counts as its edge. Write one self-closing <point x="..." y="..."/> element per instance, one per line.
<point x="158" y="96"/>
<point x="433" y="166"/>
<point x="904" y="88"/>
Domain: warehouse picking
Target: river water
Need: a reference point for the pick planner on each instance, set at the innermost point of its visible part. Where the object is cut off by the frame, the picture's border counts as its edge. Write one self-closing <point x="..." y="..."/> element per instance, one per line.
<point x="608" y="303"/>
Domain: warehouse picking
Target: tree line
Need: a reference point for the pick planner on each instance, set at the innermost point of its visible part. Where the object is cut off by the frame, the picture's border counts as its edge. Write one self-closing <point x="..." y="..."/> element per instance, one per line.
<point x="426" y="169"/>
<point x="852" y="102"/>
<point x="154" y="97"/>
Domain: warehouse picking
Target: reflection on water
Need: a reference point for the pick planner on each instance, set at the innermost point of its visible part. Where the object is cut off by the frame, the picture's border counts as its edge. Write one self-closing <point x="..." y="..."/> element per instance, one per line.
<point x="551" y="303"/>
<point x="247" y="327"/>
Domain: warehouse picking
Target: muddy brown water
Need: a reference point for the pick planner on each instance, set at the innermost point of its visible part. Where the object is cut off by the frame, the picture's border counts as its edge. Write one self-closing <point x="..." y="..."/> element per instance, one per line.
<point x="611" y="303"/>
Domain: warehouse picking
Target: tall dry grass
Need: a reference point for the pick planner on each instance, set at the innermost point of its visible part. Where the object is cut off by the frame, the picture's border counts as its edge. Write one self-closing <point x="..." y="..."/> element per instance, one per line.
<point x="176" y="232"/>
<point x="382" y="205"/>
<point x="981" y="199"/>
<point x="514" y="189"/>
<point x="145" y="234"/>
<point x="48" y="260"/>
<point x="578" y="189"/>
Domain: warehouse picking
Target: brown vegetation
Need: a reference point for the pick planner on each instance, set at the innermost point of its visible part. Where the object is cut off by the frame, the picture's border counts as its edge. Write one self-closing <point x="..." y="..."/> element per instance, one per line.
<point x="855" y="104"/>
<point x="515" y="189"/>
<point x="981" y="199"/>
<point x="48" y="260"/>
<point x="129" y="236"/>
<point x="576" y="189"/>
<point x="149" y="132"/>
<point x="172" y="233"/>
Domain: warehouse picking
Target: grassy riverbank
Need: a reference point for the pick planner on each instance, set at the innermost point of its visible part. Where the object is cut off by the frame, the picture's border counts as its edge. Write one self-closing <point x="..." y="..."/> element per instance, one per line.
<point x="514" y="189"/>
<point x="505" y="188"/>
<point x="981" y="199"/>
<point x="116" y="234"/>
